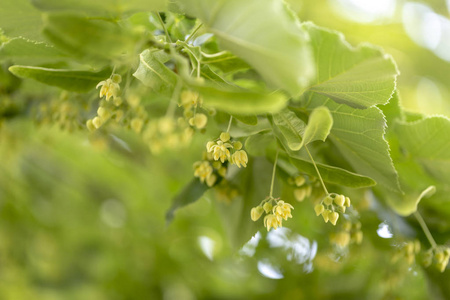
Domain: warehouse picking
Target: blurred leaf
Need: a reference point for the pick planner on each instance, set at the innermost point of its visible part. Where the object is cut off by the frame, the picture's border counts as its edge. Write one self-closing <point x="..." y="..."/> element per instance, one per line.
<point x="20" y="18"/>
<point x="153" y="73"/>
<point x="247" y="119"/>
<point x="192" y="192"/>
<point x="104" y="8"/>
<point x="291" y="127"/>
<point x="21" y="50"/>
<point x="359" y="135"/>
<point x="75" y="81"/>
<point x="240" y="101"/>
<point x="319" y="126"/>
<point x="277" y="48"/>
<point x="359" y="77"/>
<point x="85" y="38"/>
<point x="226" y="62"/>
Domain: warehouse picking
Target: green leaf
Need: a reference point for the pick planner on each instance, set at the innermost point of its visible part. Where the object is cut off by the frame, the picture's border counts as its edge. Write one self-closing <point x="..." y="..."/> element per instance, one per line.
<point x="22" y="51"/>
<point x="192" y="192"/>
<point x="20" y="18"/>
<point x="263" y="33"/>
<point x="332" y="174"/>
<point x="153" y="73"/>
<point x="260" y="144"/>
<point x="427" y="142"/>
<point x="407" y="204"/>
<point x="104" y="8"/>
<point x="359" y="136"/>
<point x="359" y="77"/>
<point x="239" y="101"/>
<point x="319" y="126"/>
<point x="97" y="40"/>
<point x="291" y="127"/>
<point x="75" y="81"/>
<point x="226" y="62"/>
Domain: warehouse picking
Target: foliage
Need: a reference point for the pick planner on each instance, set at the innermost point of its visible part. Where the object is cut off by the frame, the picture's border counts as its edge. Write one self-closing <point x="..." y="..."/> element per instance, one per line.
<point x="280" y="118"/>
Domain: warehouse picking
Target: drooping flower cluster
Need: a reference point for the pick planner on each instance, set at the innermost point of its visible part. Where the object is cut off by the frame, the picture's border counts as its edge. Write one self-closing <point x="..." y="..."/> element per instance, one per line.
<point x="439" y="256"/>
<point x="224" y="149"/>
<point x="192" y="102"/>
<point x="276" y="211"/>
<point x="348" y="233"/>
<point x="208" y="170"/>
<point x="331" y="206"/>
<point x="167" y="133"/>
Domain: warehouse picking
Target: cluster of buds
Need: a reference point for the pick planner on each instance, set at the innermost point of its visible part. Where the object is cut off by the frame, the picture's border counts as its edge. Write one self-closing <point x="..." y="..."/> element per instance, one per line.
<point x="224" y="149"/>
<point x="107" y="110"/>
<point x="302" y="187"/>
<point x="191" y="102"/>
<point x="439" y="256"/>
<point x="225" y="191"/>
<point x="348" y="233"/>
<point x="167" y="133"/>
<point x="276" y="211"/>
<point x="60" y="111"/>
<point x="330" y="207"/>
<point x="208" y="170"/>
<point x="407" y="251"/>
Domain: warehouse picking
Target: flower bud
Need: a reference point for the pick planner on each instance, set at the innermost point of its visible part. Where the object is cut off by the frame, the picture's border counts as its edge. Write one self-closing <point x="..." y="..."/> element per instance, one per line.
<point x="299" y="194"/>
<point x="319" y="209"/>
<point x="328" y="200"/>
<point x="342" y="239"/>
<point x="339" y="200"/>
<point x="333" y="217"/>
<point x="439" y="257"/>
<point x="210" y="180"/>
<point x="325" y="215"/>
<point x="225" y="137"/>
<point x="237" y="145"/>
<point x="358" y="237"/>
<point x="90" y="125"/>
<point x="347" y="226"/>
<point x="116" y="78"/>
<point x="347" y="202"/>
<point x="256" y="213"/>
<point x="299" y="180"/>
<point x="267" y="207"/>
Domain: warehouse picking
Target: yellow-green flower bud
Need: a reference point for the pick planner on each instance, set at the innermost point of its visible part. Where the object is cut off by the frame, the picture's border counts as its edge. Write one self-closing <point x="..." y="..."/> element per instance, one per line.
<point x="333" y="217"/>
<point x="116" y="78"/>
<point x="117" y="101"/>
<point x="339" y="200"/>
<point x="209" y="146"/>
<point x="427" y="258"/>
<point x="225" y="137"/>
<point x="299" y="194"/>
<point x="439" y="256"/>
<point x="347" y="202"/>
<point x="136" y="124"/>
<point x="97" y="121"/>
<point x="256" y="213"/>
<point x="358" y="237"/>
<point x="299" y="180"/>
<point x="447" y="251"/>
<point x="347" y="226"/>
<point x="200" y="121"/>
<point x="237" y="145"/>
<point x="409" y="258"/>
<point x="90" y="125"/>
<point x="267" y="207"/>
<point x="210" y="180"/>
<point x="328" y="200"/>
<point x="103" y="113"/>
<point x="319" y="209"/>
<point x="441" y="266"/>
<point x="325" y="215"/>
<point x="409" y="248"/>
<point x="341" y="239"/>
<point x="308" y="189"/>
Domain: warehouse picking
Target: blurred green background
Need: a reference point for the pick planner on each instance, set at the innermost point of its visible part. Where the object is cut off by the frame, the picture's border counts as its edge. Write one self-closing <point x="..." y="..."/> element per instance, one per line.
<point x="82" y="216"/>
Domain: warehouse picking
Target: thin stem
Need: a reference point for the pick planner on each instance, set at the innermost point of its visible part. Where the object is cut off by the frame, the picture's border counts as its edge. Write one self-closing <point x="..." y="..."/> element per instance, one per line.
<point x="273" y="174"/>
<point x="229" y="123"/>
<point x="163" y="26"/>
<point x="425" y="229"/>
<point x="317" y="170"/>
<point x="193" y="33"/>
